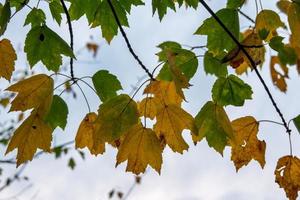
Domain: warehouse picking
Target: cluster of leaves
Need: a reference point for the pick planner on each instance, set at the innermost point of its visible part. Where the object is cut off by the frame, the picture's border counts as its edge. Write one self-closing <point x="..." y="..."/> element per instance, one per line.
<point x="141" y="130"/>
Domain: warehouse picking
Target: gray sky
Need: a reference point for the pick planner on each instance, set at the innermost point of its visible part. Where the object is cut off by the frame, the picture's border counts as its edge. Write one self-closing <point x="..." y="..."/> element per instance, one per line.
<point x="198" y="174"/>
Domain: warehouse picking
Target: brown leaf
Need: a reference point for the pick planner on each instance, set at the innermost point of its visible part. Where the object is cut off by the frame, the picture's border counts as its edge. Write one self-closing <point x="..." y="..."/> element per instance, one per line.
<point x="7" y="59"/>
<point x="279" y="79"/>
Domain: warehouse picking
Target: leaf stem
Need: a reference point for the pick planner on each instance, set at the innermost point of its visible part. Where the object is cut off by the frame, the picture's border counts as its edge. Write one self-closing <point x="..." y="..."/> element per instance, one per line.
<point x="127" y="41"/>
<point x="71" y="35"/>
<point x="253" y="64"/>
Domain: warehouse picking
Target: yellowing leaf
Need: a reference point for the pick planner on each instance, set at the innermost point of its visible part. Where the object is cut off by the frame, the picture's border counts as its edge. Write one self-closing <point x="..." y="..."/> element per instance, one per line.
<point x="287" y="175"/>
<point x="85" y="135"/>
<point x="140" y="147"/>
<point x="33" y="92"/>
<point x="254" y="47"/>
<point x="180" y="80"/>
<point x="165" y="91"/>
<point x="33" y="133"/>
<point x="115" y="116"/>
<point x="278" y="78"/>
<point x="294" y="22"/>
<point x="268" y="20"/>
<point x="171" y="120"/>
<point x="246" y="145"/>
<point x="147" y="107"/>
<point x="7" y="59"/>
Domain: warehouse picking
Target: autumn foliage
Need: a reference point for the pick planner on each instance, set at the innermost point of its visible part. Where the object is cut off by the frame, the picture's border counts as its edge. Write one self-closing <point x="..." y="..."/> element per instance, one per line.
<point x="140" y="129"/>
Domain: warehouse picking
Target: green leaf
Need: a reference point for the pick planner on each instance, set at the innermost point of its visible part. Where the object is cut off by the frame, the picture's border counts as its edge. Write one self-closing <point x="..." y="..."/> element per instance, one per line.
<point x="106" y="85"/>
<point x="4" y="17"/>
<point x="286" y="54"/>
<point x="58" y="113"/>
<point x="36" y="17"/>
<point x="213" y="124"/>
<point x="56" y="10"/>
<point x="231" y="91"/>
<point x="184" y="59"/>
<point x="115" y="116"/>
<point x="18" y="4"/>
<point x="296" y="121"/>
<point x="213" y="65"/>
<point x="235" y="3"/>
<point x="43" y="44"/>
<point x="217" y="39"/>
<point x="72" y="163"/>
<point x="161" y="6"/>
<point x="104" y="17"/>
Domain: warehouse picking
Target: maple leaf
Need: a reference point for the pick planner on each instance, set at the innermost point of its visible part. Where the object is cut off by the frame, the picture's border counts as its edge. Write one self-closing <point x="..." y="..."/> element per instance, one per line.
<point x="43" y="44"/>
<point x="55" y="118"/>
<point x="171" y="120"/>
<point x="36" y="17"/>
<point x="5" y="14"/>
<point x="147" y="107"/>
<point x="214" y="66"/>
<point x="32" y="134"/>
<point x="34" y="92"/>
<point x="217" y="39"/>
<point x="254" y="47"/>
<point x="287" y="175"/>
<point x="56" y="10"/>
<point x="277" y="77"/>
<point x="164" y="91"/>
<point x="7" y="59"/>
<point x="106" y="85"/>
<point x="246" y="146"/>
<point x="115" y="116"/>
<point x="85" y="135"/>
<point x="231" y="91"/>
<point x="140" y="147"/>
<point x="212" y="123"/>
<point x="268" y="20"/>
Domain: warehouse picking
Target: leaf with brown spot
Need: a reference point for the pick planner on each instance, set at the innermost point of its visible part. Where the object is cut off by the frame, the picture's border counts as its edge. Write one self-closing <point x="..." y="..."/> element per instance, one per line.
<point x="246" y="145"/>
<point x="85" y="135"/>
<point x="32" y="134"/>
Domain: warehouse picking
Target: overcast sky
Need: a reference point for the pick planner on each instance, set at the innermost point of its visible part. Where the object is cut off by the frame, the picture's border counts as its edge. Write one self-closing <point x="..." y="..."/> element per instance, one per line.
<point x="198" y="174"/>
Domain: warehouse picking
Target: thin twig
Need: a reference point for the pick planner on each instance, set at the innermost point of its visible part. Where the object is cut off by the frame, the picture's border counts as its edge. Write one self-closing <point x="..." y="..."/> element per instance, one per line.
<point x="71" y="35"/>
<point x="253" y="64"/>
<point x="127" y="41"/>
<point x="246" y="16"/>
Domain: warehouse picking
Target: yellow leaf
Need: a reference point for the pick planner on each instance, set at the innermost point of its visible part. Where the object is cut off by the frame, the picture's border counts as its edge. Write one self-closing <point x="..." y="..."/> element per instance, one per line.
<point x="165" y="91"/>
<point x="180" y="80"/>
<point x="268" y="20"/>
<point x="254" y="47"/>
<point x="140" y="147"/>
<point x="277" y="77"/>
<point x="171" y="120"/>
<point x="147" y="107"/>
<point x="115" y="116"/>
<point x="32" y="134"/>
<point x="246" y="145"/>
<point x="294" y="22"/>
<point x="287" y="175"/>
<point x="33" y="92"/>
<point x="85" y="135"/>
<point x="7" y="59"/>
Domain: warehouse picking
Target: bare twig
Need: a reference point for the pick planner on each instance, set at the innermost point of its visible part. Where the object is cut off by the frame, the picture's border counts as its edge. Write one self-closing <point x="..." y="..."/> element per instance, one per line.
<point x="127" y="41"/>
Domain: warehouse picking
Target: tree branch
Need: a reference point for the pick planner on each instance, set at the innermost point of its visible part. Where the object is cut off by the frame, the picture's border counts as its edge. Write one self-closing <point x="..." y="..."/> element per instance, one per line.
<point x="71" y="34"/>
<point x="253" y="64"/>
<point x="127" y="41"/>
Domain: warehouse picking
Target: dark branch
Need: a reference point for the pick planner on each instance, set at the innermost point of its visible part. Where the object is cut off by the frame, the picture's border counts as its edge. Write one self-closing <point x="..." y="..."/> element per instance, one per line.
<point x="127" y="41"/>
<point x="71" y="34"/>
<point x="246" y="16"/>
<point x="253" y="64"/>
